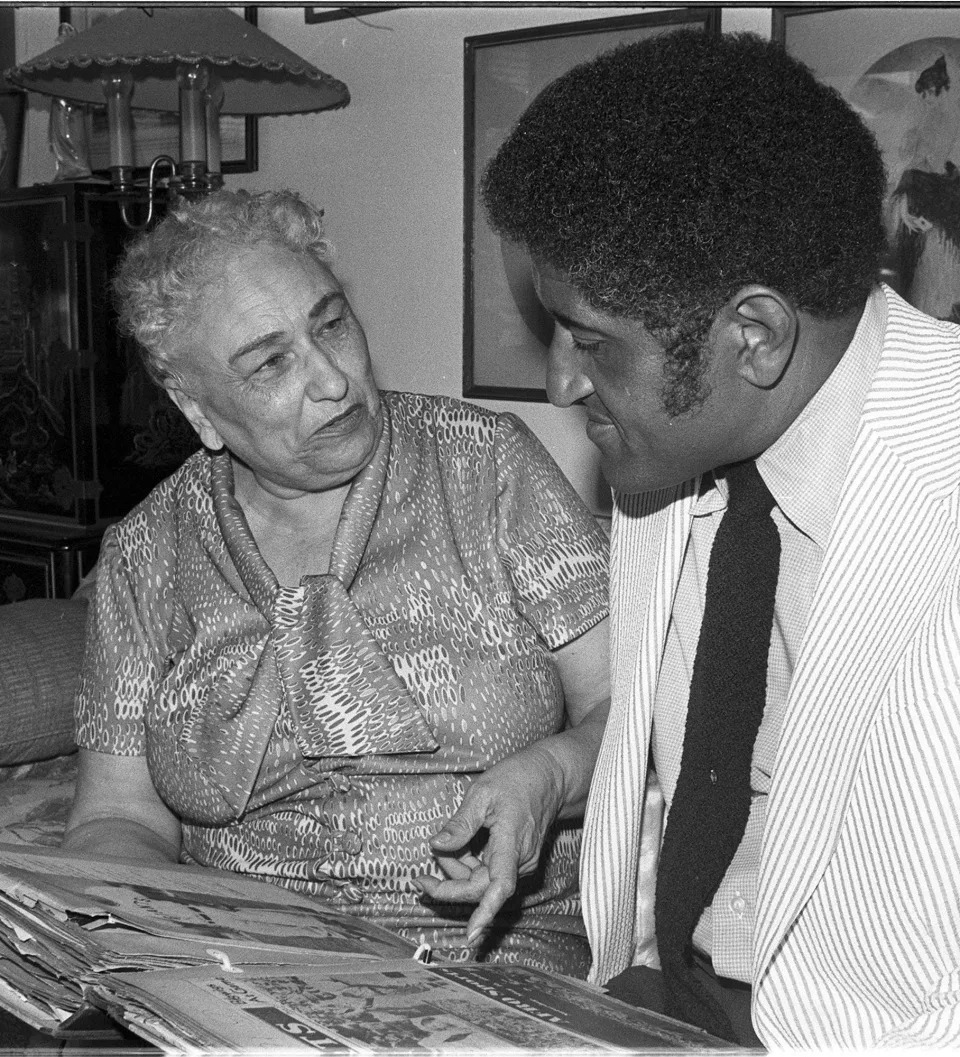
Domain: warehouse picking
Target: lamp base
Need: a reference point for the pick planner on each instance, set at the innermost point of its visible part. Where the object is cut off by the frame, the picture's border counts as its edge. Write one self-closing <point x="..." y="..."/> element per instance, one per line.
<point x="189" y="180"/>
<point x="121" y="176"/>
<point x="193" y="179"/>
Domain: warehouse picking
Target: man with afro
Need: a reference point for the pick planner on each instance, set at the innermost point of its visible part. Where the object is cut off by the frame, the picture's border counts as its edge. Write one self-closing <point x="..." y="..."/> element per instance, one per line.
<point x="704" y="222"/>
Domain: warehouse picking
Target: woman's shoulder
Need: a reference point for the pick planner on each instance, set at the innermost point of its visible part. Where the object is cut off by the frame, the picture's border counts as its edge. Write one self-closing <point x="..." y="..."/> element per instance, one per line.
<point x="185" y="494"/>
<point x="421" y="406"/>
<point x="447" y="418"/>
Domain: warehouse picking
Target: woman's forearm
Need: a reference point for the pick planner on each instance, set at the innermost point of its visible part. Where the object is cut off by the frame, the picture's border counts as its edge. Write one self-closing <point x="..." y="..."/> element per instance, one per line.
<point x="120" y="838"/>
<point x="572" y="756"/>
<point x="117" y="812"/>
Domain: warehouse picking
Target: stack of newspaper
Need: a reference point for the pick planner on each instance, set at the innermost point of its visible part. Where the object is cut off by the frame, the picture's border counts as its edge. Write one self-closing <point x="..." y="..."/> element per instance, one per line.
<point x="193" y="960"/>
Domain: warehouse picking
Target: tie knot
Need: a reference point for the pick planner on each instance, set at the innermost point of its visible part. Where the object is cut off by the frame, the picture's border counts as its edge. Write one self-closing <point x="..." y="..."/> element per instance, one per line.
<point x="748" y="496"/>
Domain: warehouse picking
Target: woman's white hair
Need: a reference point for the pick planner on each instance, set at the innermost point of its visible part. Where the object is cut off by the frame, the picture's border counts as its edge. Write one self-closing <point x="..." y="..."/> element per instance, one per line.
<point x="165" y="273"/>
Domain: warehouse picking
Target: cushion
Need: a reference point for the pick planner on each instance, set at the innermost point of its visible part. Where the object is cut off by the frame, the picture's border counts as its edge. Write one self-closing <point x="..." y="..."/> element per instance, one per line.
<point x="41" y="651"/>
<point x="35" y="800"/>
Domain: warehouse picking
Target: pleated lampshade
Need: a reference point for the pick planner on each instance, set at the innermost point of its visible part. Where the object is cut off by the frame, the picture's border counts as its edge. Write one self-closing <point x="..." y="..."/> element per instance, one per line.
<point x="259" y="75"/>
<point x="203" y="62"/>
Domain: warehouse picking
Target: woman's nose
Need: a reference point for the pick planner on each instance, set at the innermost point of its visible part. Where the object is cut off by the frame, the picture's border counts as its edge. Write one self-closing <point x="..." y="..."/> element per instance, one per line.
<point x="566" y="382"/>
<point x="326" y="380"/>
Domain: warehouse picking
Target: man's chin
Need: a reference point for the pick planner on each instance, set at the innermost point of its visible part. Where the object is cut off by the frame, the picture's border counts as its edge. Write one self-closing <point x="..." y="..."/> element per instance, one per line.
<point x="629" y="479"/>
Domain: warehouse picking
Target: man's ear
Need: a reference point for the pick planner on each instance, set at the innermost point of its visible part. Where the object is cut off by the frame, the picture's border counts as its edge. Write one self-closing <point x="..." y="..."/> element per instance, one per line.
<point x="761" y="325"/>
<point x="194" y="414"/>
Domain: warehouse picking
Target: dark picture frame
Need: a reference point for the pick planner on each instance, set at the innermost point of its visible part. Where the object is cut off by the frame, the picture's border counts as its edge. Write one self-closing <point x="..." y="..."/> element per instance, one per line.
<point x="314" y="15"/>
<point x="157" y="132"/>
<point x="506" y="333"/>
<point x="12" y="109"/>
<point x="899" y="67"/>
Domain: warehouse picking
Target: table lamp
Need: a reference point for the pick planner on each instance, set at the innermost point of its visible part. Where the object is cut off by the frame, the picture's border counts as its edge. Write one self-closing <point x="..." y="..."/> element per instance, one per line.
<point x="199" y="61"/>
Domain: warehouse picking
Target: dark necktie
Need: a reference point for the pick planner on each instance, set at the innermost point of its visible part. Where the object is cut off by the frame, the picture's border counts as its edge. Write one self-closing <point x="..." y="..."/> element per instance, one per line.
<point x="728" y="691"/>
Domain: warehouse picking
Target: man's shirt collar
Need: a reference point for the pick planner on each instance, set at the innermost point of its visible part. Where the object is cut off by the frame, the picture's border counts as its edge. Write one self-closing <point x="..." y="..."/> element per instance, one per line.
<point x="806" y="466"/>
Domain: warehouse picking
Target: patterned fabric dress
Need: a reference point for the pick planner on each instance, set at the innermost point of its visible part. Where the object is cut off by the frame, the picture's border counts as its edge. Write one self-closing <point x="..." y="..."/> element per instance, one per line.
<point x="317" y="736"/>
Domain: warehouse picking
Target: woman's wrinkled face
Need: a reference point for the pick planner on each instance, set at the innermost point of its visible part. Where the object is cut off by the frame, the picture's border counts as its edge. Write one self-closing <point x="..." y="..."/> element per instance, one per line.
<point x="276" y="369"/>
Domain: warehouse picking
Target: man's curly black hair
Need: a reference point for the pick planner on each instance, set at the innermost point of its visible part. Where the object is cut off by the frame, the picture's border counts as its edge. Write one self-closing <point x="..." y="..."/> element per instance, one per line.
<point x="664" y="175"/>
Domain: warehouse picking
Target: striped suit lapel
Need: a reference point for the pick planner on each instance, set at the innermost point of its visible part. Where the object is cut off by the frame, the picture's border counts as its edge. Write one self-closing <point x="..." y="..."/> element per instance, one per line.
<point x="649" y="536"/>
<point x="888" y="553"/>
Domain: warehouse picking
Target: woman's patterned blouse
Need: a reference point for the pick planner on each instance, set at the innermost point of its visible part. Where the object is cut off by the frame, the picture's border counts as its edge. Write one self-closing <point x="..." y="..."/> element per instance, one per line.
<point x="317" y="736"/>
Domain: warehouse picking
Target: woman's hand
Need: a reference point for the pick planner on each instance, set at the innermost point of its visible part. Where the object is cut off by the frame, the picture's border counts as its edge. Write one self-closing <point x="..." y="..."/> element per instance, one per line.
<point x="515" y="801"/>
<point x="518" y="799"/>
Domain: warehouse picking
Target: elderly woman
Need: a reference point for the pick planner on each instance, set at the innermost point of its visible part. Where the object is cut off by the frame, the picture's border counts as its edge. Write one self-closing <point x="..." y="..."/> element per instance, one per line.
<point x="348" y="615"/>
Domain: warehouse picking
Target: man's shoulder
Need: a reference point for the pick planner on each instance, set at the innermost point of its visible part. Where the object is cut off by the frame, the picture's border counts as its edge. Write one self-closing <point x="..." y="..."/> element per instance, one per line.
<point x="919" y="369"/>
<point x="909" y="328"/>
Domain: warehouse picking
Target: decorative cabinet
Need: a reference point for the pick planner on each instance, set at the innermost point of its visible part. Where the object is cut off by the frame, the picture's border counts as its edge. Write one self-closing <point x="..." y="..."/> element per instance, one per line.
<point x="84" y="433"/>
<point x="39" y="561"/>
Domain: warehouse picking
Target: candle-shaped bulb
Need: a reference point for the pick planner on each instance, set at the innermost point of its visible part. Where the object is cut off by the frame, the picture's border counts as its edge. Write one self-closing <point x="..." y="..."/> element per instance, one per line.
<point x="214" y="101"/>
<point x="192" y="80"/>
<point x="117" y="84"/>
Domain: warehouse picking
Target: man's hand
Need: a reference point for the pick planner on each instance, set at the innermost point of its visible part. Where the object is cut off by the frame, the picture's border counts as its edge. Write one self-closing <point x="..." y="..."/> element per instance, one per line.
<point x="516" y="802"/>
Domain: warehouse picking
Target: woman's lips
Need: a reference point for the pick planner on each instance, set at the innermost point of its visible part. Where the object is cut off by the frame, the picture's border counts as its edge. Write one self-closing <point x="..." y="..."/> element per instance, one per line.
<point x="345" y="422"/>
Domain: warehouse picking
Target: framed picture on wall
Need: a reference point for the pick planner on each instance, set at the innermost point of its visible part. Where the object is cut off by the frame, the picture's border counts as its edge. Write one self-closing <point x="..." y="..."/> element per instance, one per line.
<point x="899" y="67"/>
<point x="506" y="332"/>
<point x="158" y="132"/>
<point x="316" y="14"/>
<point x="12" y="107"/>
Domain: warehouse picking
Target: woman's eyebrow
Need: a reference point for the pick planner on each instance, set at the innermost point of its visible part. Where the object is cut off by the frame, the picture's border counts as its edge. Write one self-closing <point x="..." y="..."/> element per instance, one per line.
<point x="275" y="335"/>
<point x="255" y="345"/>
<point x="324" y="303"/>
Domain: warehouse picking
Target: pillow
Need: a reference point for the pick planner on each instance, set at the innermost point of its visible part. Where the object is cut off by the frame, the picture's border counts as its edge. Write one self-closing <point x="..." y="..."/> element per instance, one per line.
<point x="41" y="651"/>
<point x="35" y="800"/>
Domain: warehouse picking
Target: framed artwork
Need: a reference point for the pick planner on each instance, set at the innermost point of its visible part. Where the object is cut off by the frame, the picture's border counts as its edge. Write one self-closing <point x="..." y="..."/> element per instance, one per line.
<point x="899" y="67"/>
<point x="506" y="331"/>
<point x="313" y="15"/>
<point x="158" y="132"/>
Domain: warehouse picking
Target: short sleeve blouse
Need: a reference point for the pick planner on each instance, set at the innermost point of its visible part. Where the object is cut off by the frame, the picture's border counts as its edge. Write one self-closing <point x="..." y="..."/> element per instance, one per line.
<point x="318" y="735"/>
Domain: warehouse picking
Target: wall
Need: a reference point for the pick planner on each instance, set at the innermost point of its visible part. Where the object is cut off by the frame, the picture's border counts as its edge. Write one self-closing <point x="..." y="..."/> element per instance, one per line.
<point x="388" y="170"/>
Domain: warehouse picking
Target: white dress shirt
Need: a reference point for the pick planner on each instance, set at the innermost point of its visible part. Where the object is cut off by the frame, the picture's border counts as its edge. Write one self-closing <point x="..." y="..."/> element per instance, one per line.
<point x="804" y="470"/>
